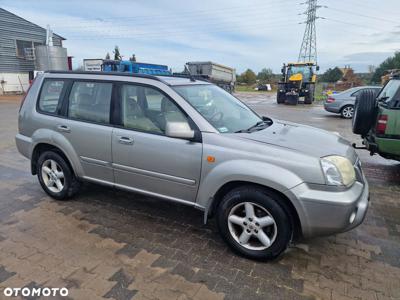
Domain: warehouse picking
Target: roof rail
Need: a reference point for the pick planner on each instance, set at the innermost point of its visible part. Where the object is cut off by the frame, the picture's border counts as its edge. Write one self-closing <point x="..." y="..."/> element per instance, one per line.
<point x="154" y="77"/>
<point x="107" y="73"/>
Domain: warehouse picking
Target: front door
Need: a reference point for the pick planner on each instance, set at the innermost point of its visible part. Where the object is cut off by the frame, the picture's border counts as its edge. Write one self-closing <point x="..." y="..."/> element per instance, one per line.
<point x="146" y="160"/>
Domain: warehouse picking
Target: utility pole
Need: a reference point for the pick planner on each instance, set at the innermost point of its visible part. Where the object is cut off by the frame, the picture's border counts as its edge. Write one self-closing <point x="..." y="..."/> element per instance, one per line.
<point x="308" y="50"/>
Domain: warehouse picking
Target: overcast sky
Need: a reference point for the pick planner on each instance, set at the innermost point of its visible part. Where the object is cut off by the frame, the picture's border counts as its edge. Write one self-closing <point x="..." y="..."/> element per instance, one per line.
<point x="238" y="33"/>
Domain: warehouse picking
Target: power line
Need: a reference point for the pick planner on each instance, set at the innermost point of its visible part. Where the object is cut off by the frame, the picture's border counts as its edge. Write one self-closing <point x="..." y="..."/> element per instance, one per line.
<point x="363" y="15"/>
<point x="133" y="29"/>
<point x="176" y="17"/>
<point x="170" y="34"/>
<point x="349" y="23"/>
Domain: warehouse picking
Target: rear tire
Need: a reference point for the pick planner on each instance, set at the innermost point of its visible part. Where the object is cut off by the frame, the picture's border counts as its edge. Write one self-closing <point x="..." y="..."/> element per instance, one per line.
<point x="56" y="176"/>
<point x="364" y="112"/>
<point x="347" y="112"/>
<point x="263" y="235"/>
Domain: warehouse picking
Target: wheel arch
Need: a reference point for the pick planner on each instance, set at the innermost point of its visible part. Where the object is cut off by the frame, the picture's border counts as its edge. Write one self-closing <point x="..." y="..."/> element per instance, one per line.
<point x="42" y="147"/>
<point x="286" y="203"/>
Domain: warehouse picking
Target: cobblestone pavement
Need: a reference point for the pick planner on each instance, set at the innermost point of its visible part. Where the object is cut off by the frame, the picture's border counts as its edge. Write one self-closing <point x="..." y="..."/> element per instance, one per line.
<point x="117" y="245"/>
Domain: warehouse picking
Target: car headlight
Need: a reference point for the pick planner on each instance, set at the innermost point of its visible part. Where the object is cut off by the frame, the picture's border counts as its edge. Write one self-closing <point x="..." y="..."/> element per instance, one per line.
<point x="338" y="170"/>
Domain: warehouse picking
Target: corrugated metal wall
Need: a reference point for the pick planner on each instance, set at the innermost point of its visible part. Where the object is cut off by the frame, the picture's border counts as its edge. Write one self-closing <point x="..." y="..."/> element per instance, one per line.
<point x="14" y="28"/>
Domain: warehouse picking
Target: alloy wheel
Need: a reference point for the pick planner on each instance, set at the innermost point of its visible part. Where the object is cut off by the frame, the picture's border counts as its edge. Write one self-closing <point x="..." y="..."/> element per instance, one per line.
<point x="252" y="226"/>
<point x="348" y="112"/>
<point x="53" y="176"/>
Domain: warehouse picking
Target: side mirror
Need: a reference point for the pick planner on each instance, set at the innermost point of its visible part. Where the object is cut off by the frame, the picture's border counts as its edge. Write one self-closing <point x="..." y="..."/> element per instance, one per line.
<point x="180" y="130"/>
<point x="317" y="68"/>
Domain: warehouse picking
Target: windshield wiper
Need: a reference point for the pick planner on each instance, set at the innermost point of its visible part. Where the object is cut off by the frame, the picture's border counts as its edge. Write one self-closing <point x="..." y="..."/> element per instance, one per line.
<point x="255" y="126"/>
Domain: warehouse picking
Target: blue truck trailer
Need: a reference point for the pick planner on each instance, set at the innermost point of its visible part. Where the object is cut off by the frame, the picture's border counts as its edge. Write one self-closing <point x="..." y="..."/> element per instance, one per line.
<point x="134" y="67"/>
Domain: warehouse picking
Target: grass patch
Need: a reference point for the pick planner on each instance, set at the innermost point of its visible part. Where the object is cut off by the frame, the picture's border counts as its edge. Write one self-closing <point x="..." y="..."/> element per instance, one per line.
<point x="248" y="88"/>
<point x="319" y="96"/>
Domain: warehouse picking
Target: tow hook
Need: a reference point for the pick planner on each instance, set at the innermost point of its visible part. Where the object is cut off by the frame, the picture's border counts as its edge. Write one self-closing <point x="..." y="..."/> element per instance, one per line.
<point x="357" y="147"/>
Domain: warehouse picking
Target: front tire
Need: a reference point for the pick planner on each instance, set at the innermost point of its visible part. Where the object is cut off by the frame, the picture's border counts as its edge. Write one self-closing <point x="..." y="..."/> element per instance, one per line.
<point x="56" y="176"/>
<point x="309" y="97"/>
<point x="280" y="97"/>
<point x="253" y="224"/>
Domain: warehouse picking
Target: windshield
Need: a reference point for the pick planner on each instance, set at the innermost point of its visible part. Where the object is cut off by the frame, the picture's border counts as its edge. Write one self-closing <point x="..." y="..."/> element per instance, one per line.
<point x="226" y="113"/>
<point x="390" y="91"/>
<point x="306" y="71"/>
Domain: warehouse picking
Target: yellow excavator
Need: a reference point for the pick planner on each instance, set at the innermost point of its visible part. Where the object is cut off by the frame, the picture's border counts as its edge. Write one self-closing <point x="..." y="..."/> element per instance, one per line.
<point x="298" y="80"/>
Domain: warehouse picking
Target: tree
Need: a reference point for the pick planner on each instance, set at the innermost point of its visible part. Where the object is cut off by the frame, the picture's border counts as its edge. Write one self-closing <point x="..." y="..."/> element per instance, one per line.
<point x="108" y="55"/>
<point x="265" y="75"/>
<point x="392" y="62"/>
<point x="331" y="75"/>
<point x="117" y="55"/>
<point x="248" y="77"/>
<point x="132" y="58"/>
<point x="371" y="69"/>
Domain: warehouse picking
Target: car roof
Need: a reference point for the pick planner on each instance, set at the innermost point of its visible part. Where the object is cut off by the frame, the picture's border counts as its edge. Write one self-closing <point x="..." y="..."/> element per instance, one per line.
<point x="170" y="80"/>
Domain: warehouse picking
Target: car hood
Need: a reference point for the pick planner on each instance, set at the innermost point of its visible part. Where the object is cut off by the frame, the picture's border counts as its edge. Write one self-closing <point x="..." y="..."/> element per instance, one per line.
<point x="305" y="139"/>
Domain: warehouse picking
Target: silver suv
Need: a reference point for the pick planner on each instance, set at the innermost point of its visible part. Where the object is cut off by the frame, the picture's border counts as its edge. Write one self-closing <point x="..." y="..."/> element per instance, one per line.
<point x="184" y="140"/>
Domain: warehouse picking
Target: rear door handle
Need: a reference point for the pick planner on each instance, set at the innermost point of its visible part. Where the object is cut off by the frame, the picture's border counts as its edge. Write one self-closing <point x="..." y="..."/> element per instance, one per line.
<point x="125" y="140"/>
<point x="63" y="128"/>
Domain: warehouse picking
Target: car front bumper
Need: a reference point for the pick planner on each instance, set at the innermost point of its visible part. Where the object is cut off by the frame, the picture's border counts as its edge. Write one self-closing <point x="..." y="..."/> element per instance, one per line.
<point x="326" y="212"/>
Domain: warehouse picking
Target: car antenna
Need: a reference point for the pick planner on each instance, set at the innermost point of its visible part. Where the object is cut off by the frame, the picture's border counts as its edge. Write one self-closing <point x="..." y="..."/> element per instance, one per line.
<point x="190" y="75"/>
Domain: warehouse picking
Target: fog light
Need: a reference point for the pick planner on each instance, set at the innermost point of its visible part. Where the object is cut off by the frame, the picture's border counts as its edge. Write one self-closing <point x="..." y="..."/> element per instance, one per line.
<point x="353" y="216"/>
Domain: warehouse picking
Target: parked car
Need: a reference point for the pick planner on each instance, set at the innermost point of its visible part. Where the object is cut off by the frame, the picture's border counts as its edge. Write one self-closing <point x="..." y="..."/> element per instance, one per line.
<point x="263" y="87"/>
<point x="188" y="141"/>
<point x="343" y="103"/>
<point x="377" y="120"/>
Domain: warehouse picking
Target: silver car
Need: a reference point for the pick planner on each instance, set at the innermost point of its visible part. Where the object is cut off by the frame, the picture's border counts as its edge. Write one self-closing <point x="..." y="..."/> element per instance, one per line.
<point x="183" y="140"/>
<point x="343" y="103"/>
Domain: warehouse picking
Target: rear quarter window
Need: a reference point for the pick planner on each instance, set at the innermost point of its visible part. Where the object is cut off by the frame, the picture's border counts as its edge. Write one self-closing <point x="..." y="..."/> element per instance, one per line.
<point x="50" y="95"/>
<point x="90" y="101"/>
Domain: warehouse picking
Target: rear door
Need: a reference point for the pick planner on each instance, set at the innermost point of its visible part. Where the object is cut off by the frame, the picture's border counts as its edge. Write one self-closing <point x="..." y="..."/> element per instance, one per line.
<point x="146" y="160"/>
<point x="87" y="126"/>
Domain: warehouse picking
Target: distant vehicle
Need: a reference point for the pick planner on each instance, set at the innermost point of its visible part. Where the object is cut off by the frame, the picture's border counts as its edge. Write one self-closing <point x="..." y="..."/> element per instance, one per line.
<point x="377" y="120"/>
<point x="263" y="87"/>
<point x="223" y="76"/>
<point x="298" y="80"/>
<point x="134" y="67"/>
<point x="389" y="74"/>
<point x="343" y="103"/>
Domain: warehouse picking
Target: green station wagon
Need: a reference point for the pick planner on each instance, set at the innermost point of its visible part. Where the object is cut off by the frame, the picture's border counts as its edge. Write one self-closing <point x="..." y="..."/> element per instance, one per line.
<point x="377" y="120"/>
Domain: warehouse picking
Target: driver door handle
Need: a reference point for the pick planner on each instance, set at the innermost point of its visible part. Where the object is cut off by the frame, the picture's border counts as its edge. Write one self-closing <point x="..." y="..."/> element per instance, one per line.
<point x="125" y="140"/>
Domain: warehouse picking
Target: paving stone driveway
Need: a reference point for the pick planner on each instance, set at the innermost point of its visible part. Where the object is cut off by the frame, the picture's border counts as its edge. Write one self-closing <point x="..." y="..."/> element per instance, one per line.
<point x="117" y="245"/>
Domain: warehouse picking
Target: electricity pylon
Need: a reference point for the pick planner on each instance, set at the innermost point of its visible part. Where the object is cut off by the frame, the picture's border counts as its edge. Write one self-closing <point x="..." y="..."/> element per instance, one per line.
<point x="308" y="50"/>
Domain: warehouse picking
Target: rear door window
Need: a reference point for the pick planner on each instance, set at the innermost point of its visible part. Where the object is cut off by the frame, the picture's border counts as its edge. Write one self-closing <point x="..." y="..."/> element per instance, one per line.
<point x="90" y="101"/>
<point x="50" y="95"/>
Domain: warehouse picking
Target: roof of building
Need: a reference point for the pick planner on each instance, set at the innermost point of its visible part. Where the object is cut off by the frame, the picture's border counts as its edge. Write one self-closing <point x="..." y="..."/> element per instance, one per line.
<point x="59" y="36"/>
